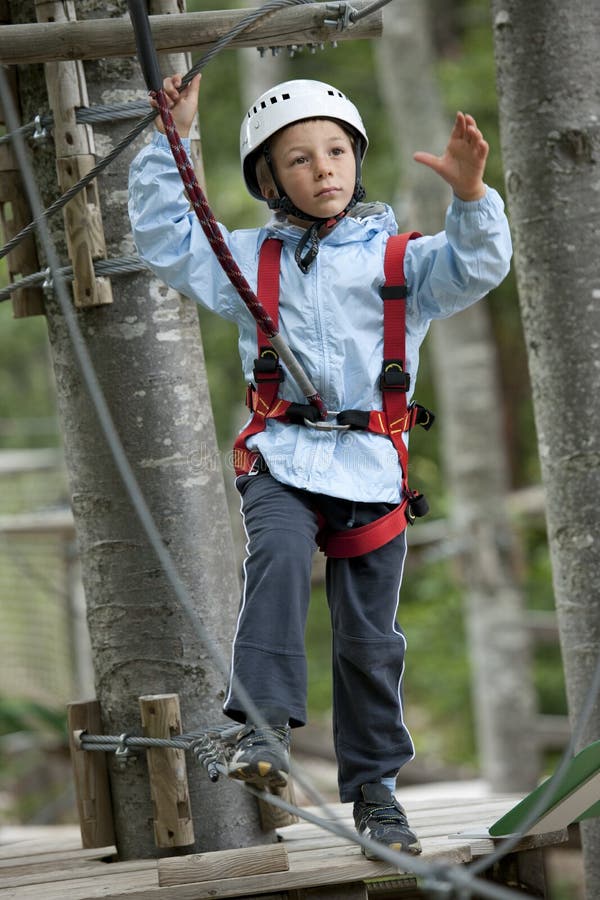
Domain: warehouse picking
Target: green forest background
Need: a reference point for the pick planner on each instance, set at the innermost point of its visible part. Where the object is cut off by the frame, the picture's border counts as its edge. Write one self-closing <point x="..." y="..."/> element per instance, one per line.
<point x="437" y="682"/>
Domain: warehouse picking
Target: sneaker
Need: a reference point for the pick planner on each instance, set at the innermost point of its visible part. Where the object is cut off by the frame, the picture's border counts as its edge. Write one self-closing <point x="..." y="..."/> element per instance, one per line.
<point x="380" y="817"/>
<point x="262" y="756"/>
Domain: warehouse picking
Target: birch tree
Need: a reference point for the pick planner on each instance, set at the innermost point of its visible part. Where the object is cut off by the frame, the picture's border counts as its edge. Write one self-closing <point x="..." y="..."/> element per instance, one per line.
<point x="147" y="354"/>
<point x="548" y="73"/>
<point x="468" y="394"/>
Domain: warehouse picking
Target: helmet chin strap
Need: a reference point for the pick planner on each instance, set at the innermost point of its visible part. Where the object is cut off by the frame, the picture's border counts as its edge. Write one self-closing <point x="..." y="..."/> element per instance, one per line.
<point x="310" y="240"/>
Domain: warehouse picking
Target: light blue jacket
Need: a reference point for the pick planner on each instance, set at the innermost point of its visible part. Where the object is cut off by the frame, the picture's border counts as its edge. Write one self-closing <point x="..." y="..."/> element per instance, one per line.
<point x="331" y="317"/>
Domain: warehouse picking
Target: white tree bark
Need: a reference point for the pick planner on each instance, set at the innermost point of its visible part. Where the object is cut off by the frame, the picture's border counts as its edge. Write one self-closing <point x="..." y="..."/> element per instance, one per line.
<point x="467" y="389"/>
<point x="147" y="354"/>
<point x="548" y="70"/>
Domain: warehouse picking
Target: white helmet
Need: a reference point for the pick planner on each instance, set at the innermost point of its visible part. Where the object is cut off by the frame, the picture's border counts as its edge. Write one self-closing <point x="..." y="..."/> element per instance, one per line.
<point x="285" y="104"/>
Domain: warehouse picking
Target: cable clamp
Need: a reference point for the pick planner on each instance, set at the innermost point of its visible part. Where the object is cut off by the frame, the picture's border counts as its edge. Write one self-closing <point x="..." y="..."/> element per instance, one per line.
<point x="123" y="754"/>
<point x="48" y="283"/>
<point x="40" y="133"/>
<point x="343" y="12"/>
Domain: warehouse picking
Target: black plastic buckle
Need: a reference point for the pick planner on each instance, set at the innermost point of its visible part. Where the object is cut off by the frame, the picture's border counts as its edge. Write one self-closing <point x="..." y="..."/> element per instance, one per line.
<point x="424" y="417"/>
<point x="393" y="377"/>
<point x="393" y="291"/>
<point x="357" y="419"/>
<point x="297" y="413"/>
<point x="266" y="367"/>
<point x="417" y="507"/>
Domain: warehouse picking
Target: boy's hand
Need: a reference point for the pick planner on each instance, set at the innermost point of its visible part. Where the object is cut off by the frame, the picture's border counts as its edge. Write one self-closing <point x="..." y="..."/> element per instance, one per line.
<point x="183" y="106"/>
<point x="463" y="162"/>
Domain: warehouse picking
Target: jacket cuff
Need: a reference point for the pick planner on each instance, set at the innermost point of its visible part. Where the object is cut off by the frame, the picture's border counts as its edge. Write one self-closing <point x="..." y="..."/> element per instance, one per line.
<point x="160" y="140"/>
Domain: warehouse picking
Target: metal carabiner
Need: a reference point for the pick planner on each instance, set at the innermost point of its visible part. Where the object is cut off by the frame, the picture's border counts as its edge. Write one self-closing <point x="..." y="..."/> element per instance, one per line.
<point x="324" y="425"/>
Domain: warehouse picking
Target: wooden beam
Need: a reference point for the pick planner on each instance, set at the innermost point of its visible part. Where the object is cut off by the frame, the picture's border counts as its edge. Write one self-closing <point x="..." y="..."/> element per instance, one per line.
<point x="272" y="817"/>
<point x="101" y="38"/>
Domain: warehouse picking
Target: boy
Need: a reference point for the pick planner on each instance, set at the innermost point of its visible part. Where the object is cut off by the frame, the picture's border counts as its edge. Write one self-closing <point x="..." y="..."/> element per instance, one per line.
<point x="302" y="145"/>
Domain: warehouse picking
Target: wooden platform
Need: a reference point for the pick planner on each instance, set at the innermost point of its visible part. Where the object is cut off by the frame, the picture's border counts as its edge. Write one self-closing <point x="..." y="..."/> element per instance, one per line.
<point x="52" y="865"/>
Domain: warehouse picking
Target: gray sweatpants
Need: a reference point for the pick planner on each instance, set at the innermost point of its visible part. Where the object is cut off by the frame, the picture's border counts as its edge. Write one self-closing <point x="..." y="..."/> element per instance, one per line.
<point x="371" y="739"/>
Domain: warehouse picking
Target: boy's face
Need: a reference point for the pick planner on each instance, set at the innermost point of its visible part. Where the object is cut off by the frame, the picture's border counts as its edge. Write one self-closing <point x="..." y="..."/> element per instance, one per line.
<point x="314" y="162"/>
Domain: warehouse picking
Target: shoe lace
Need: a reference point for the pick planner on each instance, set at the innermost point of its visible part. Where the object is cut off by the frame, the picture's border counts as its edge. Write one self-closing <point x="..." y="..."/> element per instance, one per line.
<point x="390" y="814"/>
<point x="267" y="735"/>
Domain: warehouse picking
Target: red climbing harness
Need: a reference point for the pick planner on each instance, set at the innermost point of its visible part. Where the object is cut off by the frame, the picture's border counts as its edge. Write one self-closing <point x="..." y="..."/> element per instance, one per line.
<point x="396" y="417"/>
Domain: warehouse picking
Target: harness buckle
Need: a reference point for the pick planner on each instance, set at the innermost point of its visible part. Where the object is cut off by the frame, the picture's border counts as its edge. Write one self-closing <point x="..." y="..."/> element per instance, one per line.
<point x="417" y="506"/>
<point x="423" y="416"/>
<point x="327" y="424"/>
<point x="393" y="377"/>
<point x="266" y="367"/>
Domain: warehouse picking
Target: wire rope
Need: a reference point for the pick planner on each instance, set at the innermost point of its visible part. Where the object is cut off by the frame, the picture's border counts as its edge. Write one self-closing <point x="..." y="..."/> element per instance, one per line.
<point x="124" y="265"/>
<point x="461" y="878"/>
<point x="60" y="202"/>
<point x="402" y="860"/>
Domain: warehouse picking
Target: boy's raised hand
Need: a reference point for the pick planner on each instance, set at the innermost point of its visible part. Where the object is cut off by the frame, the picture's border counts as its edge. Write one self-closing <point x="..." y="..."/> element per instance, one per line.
<point x="183" y="106"/>
<point x="463" y="162"/>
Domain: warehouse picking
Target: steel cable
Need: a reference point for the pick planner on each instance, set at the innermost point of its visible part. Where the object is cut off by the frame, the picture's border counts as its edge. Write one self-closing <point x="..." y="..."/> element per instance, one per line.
<point x="62" y="201"/>
<point x="455" y="875"/>
<point x="400" y="860"/>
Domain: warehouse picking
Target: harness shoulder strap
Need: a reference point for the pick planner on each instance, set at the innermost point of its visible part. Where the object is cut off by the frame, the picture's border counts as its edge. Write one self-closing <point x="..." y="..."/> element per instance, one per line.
<point x="394" y="384"/>
<point x="267" y="288"/>
<point x="267" y="371"/>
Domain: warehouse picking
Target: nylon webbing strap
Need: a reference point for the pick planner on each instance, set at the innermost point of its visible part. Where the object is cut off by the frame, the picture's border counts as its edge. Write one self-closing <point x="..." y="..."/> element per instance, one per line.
<point x="267" y="287"/>
<point x="394" y="329"/>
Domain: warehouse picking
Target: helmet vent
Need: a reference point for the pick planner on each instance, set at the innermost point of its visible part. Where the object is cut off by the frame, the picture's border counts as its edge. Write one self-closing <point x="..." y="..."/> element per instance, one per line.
<point x="285" y="96"/>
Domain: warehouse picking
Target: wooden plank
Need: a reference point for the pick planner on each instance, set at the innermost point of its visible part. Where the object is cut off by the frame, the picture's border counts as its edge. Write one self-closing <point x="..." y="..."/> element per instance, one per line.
<point x="20" y="857"/>
<point x="116" y="886"/>
<point x="23" y="875"/>
<point x="143" y="885"/>
<point x="102" y="38"/>
<point x="222" y="864"/>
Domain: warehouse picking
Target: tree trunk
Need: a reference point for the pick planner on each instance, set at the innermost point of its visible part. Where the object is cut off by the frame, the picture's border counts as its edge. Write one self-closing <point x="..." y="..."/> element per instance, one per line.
<point x="147" y="354"/>
<point x="548" y="71"/>
<point x="467" y="390"/>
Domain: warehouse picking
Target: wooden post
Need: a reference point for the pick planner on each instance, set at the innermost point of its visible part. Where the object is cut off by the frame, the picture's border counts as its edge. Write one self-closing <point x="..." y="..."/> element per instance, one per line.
<point x="14" y="215"/>
<point x="75" y="158"/>
<point x="180" y="62"/>
<point x="271" y="816"/>
<point x="91" y="777"/>
<point x="173" y="826"/>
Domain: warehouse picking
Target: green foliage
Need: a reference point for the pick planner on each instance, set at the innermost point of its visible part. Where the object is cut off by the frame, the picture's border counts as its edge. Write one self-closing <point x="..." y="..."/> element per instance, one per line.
<point x="23" y="715"/>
